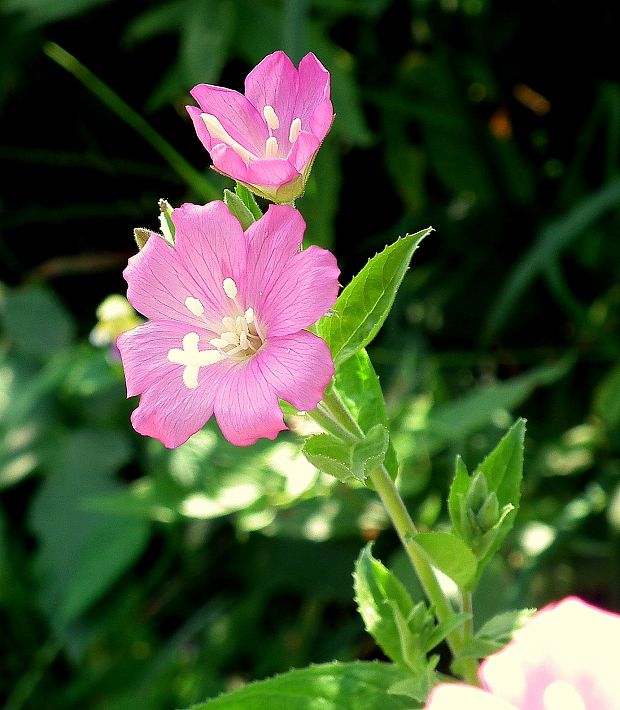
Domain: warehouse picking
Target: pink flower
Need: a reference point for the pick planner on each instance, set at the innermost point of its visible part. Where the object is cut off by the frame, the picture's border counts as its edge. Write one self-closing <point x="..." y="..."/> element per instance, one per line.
<point x="566" y="658"/>
<point x="267" y="139"/>
<point x="226" y="333"/>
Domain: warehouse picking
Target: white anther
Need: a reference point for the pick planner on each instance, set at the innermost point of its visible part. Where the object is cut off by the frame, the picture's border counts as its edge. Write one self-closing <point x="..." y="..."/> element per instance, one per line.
<point x="219" y="342"/>
<point x="249" y="315"/>
<point x="193" y="359"/>
<point x="228" y="322"/>
<point x="231" y="338"/>
<point x="271" y="147"/>
<point x="561" y="695"/>
<point x="271" y="117"/>
<point x="243" y="340"/>
<point x="219" y="133"/>
<point x="294" y="130"/>
<point x="230" y="288"/>
<point x="194" y="306"/>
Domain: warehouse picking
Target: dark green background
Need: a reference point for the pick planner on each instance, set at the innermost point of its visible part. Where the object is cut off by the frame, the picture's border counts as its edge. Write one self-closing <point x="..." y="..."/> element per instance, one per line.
<point x="114" y="591"/>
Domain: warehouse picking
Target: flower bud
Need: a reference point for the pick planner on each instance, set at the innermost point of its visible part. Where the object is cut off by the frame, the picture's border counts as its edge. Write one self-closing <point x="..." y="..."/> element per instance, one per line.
<point x="488" y="514"/>
<point x="477" y="492"/>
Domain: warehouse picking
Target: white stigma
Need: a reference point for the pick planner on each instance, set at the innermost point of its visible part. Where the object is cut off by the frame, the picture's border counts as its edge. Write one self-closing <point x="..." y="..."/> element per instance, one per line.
<point x="271" y="118"/>
<point x="271" y="147"/>
<point x="193" y="359"/>
<point x="219" y="134"/>
<point x="194" y="306"/>
<point x="230" y="288"/>
<point x="561" y="695"/>
<point x="294" y="130"/>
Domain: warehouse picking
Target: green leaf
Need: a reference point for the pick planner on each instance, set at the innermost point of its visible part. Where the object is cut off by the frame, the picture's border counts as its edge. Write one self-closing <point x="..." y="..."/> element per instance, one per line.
<point x="81" y="552"/>
<point x="37" y="322"/>
<point x="456" y="496"/>
<point x="380" y="595"/>
<point x="449" y="554"/>
<point x="496" y="633"/>
<point x="360" y="390"/>
<point x="248" y="200"/>
<point x="365" y="303"/>
<point x="348" y="460"/>
<point x="331" y="686"/>
<point x="238" y="209"/>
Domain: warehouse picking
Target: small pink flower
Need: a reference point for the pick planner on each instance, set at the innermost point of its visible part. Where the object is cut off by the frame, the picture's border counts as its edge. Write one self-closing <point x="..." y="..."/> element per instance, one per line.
<point x="567" y="657"/>
<point x="267" y="139"/>
<point x="226" y="334"/>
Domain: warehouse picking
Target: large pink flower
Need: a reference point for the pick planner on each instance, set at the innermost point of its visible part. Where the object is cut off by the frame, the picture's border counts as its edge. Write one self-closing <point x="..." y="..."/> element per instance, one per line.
<point x="226" y="334"/>
<point x="566" y="658"/>
<point x="267" y="139"/>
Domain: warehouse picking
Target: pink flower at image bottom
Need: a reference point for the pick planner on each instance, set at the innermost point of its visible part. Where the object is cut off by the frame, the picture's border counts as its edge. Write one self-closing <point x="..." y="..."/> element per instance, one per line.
<point x="567" y="657"/>
<point x="226" y="336"/>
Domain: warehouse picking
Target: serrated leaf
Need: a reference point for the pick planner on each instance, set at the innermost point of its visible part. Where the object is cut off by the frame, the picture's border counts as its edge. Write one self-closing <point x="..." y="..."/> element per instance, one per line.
<point x="349" y="459"/>
<point x="360" y="390"/>
<point x="330" y="455"/>
<point x="360" y="685"/>
<point x="364" y="304"/>
<point x="375" y="586"/>
<point x="449" y="554"/>
<point x="501" y="627"/>
<point x="238" y="209"/>
<point x="444" y="629"/>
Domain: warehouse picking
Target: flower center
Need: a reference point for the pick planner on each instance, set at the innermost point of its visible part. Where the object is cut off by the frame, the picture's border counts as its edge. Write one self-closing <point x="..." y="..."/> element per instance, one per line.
<point x="561" y="695"/>
<point x="239" y="337"/>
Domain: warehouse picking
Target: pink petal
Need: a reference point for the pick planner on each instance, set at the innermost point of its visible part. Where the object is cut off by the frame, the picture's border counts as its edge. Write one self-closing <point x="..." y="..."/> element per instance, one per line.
<point x="228" y="162"/>
<point x="200" y="128"/>
<point x="168" y="410"/>
<point x="211" y="247"/>
<point x="303" y="151"/>
<point x="322" y="118"/>
<point x="158" y="285"/>
<point x="246" y="406"/>
<point x="313" y="88"/>
<point x="288" y="290"/>
<point x="239" y="118"/>
<point x="464" y="697"/>
<point x="298" y="367"/>
<point x="272" y="173"/>
<point x="273" y="82"/>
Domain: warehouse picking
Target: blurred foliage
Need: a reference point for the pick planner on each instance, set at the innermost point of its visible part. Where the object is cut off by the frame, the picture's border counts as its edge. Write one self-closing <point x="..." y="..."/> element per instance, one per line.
<point x="131" y="576"/>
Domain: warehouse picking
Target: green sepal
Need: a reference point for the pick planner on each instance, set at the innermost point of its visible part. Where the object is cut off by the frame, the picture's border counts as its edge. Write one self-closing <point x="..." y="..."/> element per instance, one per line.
<point x="165" y="221"/>
<point x="141" y="235"/>
<point x="248" y="200"/>
<point x="238" y="209"/>
<point x="364" y="304"/>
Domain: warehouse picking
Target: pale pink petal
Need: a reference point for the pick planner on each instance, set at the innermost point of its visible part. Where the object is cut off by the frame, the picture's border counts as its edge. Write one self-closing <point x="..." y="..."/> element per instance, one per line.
<point x="200" y="128"/>
<point x="211" y="247"/>
<point x="303" y="151"/>
<point x="464" y="697"/>
<point x="168" y="410"/>
<point x="228" y="162"/>
<point x="571" y="643"/>
<point x="158" y="285"/>
<point x="298" y="367"/>
<point x="273" y="82"/>
<point x="246" y="406"/>
<point x="313" y="88"/>
<point x="321" y="120"/>
<point x="237" y="115"/>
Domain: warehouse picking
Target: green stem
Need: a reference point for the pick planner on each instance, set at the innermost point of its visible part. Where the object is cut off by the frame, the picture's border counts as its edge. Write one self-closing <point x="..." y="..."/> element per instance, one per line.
<point x="403" y="524"/>
<point x="469" y="666"/>
<point x="194" y="179"/>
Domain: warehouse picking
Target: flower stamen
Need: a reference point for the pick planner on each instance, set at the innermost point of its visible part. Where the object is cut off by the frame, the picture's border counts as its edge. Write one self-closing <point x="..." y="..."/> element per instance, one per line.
<point x="194" y="306"/>
<point x="230" y="288"/>
<point x="271" y="118"/>
<point x="271" y="147"/>
<point x="219" y="133"/>
<point x="294" y="130"/>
